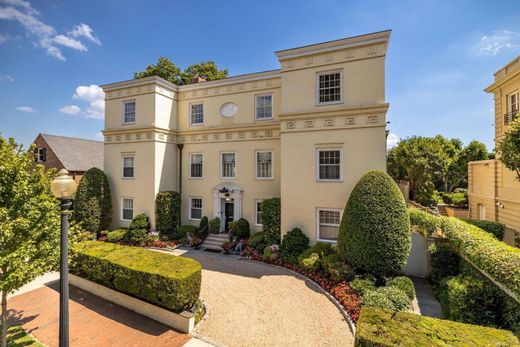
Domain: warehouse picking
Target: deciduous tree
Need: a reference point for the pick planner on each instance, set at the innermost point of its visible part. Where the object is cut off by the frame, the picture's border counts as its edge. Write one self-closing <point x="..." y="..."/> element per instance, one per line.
<point x="509" y="148"/>
<point x="29" y="222"/>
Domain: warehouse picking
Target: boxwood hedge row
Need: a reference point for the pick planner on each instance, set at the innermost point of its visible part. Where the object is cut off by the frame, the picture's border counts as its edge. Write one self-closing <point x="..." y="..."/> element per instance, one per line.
<point x="377" y="327"/>
<point x="495" y="228"/>
<point x="162" y="279"/>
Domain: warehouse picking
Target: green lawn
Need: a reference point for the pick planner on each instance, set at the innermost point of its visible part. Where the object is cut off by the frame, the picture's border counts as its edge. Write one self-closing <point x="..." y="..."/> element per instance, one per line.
<point x="17" y="337"/>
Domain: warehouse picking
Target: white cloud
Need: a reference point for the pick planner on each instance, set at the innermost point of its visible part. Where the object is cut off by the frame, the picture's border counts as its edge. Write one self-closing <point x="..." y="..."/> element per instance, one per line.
<point x="46" y="36"/>
<point x="6" y="78"/>
<point x="70" y="109"/>
<point x="69" y="42"/>
<point x="94" y="96"/>
<point x="3" y="39"/>
<point x="84" y="30"/>
<point x="498" y="42"/>
<point x="26" y="109"/>
<point x="392" y="140"/>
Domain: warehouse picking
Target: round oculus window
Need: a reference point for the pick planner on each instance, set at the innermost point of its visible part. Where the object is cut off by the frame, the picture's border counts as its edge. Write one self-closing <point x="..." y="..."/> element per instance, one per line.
<point x="228" y="110"/>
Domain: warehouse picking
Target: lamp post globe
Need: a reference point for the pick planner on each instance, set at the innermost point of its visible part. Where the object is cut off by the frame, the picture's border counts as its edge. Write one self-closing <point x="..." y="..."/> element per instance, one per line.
<point x="63" y="188"/>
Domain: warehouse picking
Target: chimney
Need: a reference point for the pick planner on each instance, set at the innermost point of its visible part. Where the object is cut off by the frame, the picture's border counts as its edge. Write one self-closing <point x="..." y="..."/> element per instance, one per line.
<point x="197" y="79"/>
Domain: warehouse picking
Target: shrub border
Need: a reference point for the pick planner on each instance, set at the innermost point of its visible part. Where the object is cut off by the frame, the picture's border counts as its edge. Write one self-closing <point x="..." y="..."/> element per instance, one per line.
<point x="350" y="322"/>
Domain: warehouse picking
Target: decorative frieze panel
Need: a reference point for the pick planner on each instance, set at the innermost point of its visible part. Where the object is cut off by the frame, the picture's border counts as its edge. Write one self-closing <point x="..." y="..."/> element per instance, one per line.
<point x="238" y="135"/>
<point x="334" y="122"/>
<point x="134" y="91"/>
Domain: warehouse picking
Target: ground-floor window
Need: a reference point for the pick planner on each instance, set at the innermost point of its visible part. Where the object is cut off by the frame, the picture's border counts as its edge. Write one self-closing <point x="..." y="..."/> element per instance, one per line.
<point x="127" y="209"/>
<point x="328" y="224"/>
<point x="258" y="212"/>
<point x="196" y="208"/>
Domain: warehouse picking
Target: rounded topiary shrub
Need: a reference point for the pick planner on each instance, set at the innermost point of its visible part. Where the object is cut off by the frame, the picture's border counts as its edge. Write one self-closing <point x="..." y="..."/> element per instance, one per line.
<point x="203" y="225"/>
<point x="167" y="211"/>
<point x="243" y="231"/>
<point x="374" y="235"/>
<point x="293" y="244"/>
<point x="257" y="241"/>
<point x="214" y="225"/>
<point x="141" y="221"/>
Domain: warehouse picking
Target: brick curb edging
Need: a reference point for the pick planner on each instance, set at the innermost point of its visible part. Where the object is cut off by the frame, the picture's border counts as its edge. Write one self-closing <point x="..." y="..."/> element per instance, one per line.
<point x="340" y="307"/>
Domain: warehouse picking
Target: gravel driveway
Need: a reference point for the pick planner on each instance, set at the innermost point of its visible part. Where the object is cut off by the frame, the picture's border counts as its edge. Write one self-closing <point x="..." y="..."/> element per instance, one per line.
<point x="253" y="304"/>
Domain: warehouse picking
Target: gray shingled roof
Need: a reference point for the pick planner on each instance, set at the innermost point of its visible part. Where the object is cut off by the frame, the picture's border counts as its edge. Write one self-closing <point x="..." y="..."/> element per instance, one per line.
<point x="76" y="154"/>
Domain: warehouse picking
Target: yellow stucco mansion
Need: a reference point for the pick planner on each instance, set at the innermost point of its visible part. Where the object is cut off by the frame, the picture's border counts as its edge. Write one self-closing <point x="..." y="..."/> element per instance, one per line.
<point x="305" y="133"/>
<point x="493" y="191"/>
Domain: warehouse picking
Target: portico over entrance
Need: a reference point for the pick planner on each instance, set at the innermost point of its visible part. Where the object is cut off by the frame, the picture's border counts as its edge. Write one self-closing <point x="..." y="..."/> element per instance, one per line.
<point x="227" y="203"/>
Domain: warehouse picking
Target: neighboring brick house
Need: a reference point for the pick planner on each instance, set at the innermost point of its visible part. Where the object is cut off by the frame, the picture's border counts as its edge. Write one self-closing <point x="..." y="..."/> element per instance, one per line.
<point x="73" y="154"/>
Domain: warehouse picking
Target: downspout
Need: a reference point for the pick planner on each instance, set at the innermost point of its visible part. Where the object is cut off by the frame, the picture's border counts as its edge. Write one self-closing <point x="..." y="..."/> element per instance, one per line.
<point x="180" y="146"/>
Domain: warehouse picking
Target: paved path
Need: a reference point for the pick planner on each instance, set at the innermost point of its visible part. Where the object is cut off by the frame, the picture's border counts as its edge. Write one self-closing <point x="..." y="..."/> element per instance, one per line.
<point x="93" y="321"/>
<point x="425" y="303"/>
<point x="253" y="304"/>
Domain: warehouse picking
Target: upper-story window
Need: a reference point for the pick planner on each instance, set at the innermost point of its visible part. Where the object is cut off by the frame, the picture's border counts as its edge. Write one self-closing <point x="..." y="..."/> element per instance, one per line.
<point x="129" y="112"/>
<point x="196" y="165"/>
<point x="329" y="87"/>
<point x="228" y="165"/>
<point x="128" y="167"/>
<point x="196" y="114"/>
<point x="264" y="164"/>
<point x="264" y="107"/>
<point x="40" y="155"/>
<point x="513" y="106"/>
<point x="329" y="164"/>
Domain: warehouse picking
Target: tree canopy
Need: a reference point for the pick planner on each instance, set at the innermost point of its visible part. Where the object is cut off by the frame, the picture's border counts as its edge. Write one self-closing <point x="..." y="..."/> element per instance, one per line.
<point x="167" y="70"/>
<point x="430" y="163"/>
<point x="29" y="221"/>
<point x="509" y="148"/>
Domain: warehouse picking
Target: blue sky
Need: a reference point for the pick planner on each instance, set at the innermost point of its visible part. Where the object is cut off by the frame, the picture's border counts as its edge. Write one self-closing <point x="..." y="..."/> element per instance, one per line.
<point x="442" y="54"/>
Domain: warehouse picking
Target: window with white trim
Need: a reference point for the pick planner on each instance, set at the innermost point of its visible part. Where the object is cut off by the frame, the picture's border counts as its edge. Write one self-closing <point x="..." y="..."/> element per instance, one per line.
<point x="228" y="165"/>
<point x="258" y="212"/>
<point x="128" y="166"/>
<point x="329" y="164"/>
<point x="41" y="154"/>
<point x="264" y="107"/>
<point x="196" y="165"/>
<point x="512" y="102"/>
<point x="196" y="114"/>
<point x="264" y="164"/>
<point x="196" y="208"/>
<point x="129" y="112"/>
<point x="329" y="87"/>
<point x="328" y="224"/>
<point x="127" y="211"/>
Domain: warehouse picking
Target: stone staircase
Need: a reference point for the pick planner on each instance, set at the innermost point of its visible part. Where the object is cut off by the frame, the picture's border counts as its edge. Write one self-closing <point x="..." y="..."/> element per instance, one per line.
<point x="215" y="241"/>
<point x="442" y="210"/>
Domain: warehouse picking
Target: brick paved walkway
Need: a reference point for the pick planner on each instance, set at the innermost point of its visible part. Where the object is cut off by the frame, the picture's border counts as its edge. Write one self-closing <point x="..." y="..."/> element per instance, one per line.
<point x="93" y="321"/>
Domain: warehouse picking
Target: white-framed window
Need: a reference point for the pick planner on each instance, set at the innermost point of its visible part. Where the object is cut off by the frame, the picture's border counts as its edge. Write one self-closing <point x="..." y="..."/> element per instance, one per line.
<point x="264" y="164"/>
<point x="328" y="221"/>
<point x="127" y="169"/>
<point x="196" y="165"/>
<point x="258" y="212"/>
<point x="329" y="87"/>
<point x="196" y="114"/>
<point x="228" y="165"/>
<point x="129" y="112"/>
<point x="264" y="106"/>
<point x="127" y="209"/>
<point x="41" y="154"/>
<point x="512" y="102"/>
<point x="195" y="208"/>
<point x="329" y="164"/>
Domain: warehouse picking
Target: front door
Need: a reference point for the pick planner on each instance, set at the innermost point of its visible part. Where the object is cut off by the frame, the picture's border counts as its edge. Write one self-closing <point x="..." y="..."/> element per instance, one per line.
<point x="228" y="214"/>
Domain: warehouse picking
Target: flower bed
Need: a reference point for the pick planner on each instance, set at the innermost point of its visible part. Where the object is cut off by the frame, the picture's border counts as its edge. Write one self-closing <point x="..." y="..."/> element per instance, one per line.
<point x="340" y="290"/>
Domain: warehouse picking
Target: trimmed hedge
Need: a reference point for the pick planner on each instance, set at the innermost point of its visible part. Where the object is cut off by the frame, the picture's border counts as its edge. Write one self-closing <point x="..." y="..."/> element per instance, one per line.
<point x="374" y="234"/>
<point x="389" y="297"/>
<point x="243" y="231"/>
<point x="311" y="258"/>
<point x="271" y="212"/>
<point x="496" y="258"/>
<point x="380" y="328"/>
<point x="116" y="235"/>
<point x="495" y="228"/>
<point x="214" y="225"/>
<point x="167" y="212"/>
<point x="445" y="263"/>
<point x="403" y="283"/>
<point x="424" y="222"/>
<point x="257" y="241"/>
<point x="162" y="279"/>
<point x="293" y="244"/>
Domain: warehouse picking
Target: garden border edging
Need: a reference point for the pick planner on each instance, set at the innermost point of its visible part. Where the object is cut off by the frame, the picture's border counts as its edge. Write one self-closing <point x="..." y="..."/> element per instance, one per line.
<point x="184" y="321"/>
<point x="345" y="314"/>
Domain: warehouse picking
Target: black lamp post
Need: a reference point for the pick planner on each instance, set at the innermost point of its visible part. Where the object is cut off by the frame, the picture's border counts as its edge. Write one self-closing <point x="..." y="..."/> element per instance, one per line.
<point x="63" y="188"/>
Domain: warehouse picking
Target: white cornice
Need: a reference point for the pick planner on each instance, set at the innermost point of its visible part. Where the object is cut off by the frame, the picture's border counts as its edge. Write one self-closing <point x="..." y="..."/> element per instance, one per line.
<point x="234" y="79"/>
<point x="139" y="82"/>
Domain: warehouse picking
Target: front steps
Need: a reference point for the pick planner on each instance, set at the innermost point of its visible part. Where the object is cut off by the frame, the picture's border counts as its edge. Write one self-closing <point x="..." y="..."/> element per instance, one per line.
<point x="215" y="241"/>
